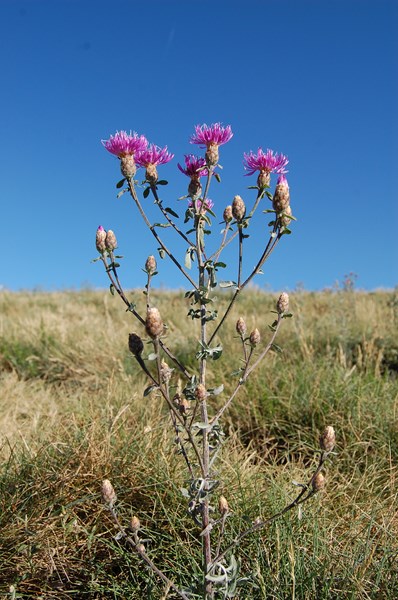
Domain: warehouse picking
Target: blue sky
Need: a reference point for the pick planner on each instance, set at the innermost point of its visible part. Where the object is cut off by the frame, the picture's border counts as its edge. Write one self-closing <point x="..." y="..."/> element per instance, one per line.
<point x="316" y="80"/>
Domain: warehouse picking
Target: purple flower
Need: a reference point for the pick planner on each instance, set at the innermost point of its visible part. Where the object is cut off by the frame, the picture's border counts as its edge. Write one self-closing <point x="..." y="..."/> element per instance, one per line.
<point x="208" y="204"/>
<point x="282" y="181"/>
<point x="195" y="166"/>
<point x="124" y="144"/>
<point x="266" y="162"/>
<point x="214" y="134"/>
<point x="154" y="155"/>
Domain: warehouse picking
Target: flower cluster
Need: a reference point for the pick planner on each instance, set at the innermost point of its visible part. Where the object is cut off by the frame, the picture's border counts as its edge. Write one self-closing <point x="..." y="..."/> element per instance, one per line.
<point x="134" y="151"/>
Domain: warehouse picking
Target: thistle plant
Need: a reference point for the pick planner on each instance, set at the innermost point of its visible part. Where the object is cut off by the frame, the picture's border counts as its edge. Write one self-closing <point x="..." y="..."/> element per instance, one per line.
<point x="195" y="418"/>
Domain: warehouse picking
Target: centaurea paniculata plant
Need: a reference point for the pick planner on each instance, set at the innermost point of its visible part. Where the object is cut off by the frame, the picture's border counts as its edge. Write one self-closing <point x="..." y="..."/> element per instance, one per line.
<point x="196" y="424"/>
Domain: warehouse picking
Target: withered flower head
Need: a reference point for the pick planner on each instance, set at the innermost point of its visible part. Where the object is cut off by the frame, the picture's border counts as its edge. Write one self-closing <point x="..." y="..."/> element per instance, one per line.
<point x="136" y="345"/>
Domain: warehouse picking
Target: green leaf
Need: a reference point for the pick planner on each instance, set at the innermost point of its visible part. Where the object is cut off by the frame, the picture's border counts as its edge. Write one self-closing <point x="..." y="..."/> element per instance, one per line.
<point x="112" y="289"/>
<point x="199" y="425"/>
<point x="217" y="176"/>
<point x="221" y="265"/>
<point x="171" y="212"/>
<point x="120" y="183"/>
<point x="163" y="225"/>
<point x="253" y="187"/>
<point x="187" y="261"/>
<point x="276" y="348"/>
<point x="149" y="389"/>
<point x="286" y="231"/>
<point x="161" y="252"/>
<point x="146" y="192"/>
<point x="162" y="182"/>
<point x="216" y="391"/>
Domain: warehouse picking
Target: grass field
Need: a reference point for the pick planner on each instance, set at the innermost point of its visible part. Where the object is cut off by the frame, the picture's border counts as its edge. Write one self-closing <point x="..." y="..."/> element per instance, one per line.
<point x="72" y="413"/>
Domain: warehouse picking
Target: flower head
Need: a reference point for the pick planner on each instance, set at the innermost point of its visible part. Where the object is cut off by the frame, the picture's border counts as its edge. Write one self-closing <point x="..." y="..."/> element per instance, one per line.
<point x="266" y="162"/>
<point x="211" y="138"/>
<point x="195" y="166"/>
<point x="281" y="198"/>
<point x="150" y="158"/>
<point x="125" y="144"/>
<point x="202" y="206"/>
<point x="206" y="135"/>
<point x="154" y="155"/>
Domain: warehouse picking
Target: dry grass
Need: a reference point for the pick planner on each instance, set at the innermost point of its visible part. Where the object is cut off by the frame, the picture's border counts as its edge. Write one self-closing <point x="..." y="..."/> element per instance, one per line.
<point x="72" y="413"/>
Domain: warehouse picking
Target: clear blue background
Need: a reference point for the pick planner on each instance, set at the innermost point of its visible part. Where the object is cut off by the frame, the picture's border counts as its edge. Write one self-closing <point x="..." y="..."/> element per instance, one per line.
<point x="316" y="80"/>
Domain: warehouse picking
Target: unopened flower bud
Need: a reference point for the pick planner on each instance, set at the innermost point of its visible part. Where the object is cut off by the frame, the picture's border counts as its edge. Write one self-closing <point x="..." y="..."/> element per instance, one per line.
<point x="184" y="406"/>
<point x="223" y="505"/>
<point x="200" y="392"/>
<point x="263" y="179"/>
<point x="108" y="493"/>
<point x="281" y="199"/>
<point x="212" y="155"/>
<point x="135" y="523"/>
<point x="238" y="208"/>
<point x="282" y="305"/>
<point x="127" y="166"/>
<point x="110" y="241"/>
<point x="318" y="482"/>
<point x="153" y="323"/>
<point x="100" y="239"/>
<point x="151" y="174"/>
<point x="150" y="265"/>
<point x="165" y="372"/>
<point x="227" y="216"/>
<point x="141" y="548"/>
<point x="286" y="217"/>
<point x="241" y="327"/>
<point x="255" y="337"/>
<point x="136" y="344"/>
<point x="327" y="441"/>
<point x="194" y="188"/>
